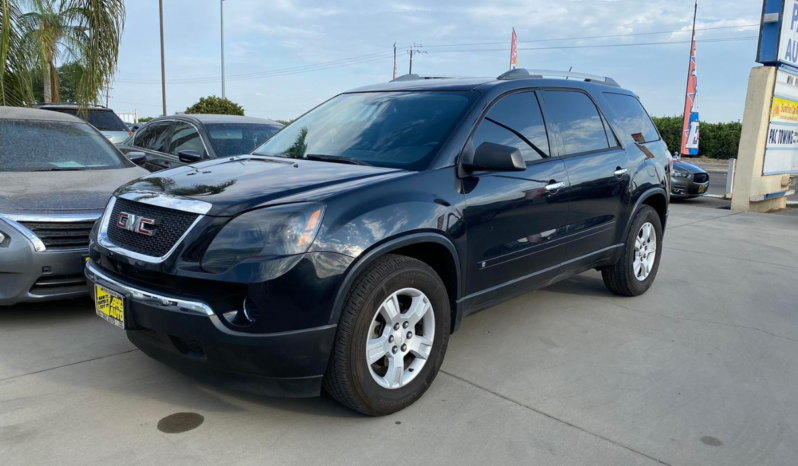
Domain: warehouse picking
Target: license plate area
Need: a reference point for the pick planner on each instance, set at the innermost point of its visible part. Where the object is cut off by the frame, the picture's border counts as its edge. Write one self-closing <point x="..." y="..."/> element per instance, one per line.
<point x="110" y="306"/>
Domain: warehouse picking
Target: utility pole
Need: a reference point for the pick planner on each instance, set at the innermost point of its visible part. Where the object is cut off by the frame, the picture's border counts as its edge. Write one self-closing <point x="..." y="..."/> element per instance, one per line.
<point x="221" y="5"/>
<point x="163" y="65"/>
<point x="414" y="50"/>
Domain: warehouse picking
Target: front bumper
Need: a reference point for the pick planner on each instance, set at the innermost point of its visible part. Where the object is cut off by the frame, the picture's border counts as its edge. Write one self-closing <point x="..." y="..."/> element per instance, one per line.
<point x="189" y="336"/>
<point x="683" y="188"/>
<point x="29" y="276"/>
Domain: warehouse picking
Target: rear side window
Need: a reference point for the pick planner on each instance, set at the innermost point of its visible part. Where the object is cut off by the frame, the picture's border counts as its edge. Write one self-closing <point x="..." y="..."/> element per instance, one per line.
<point x="152" y="136"/>
<point x="516" y="121"/>
<point x="631" y="118"/>
<point x="104" y="120"/>
<point x="581" y="128"/>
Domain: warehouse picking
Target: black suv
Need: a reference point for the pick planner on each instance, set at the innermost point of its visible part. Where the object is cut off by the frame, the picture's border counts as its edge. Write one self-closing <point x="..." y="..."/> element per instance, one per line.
<point x="346" y="249"/>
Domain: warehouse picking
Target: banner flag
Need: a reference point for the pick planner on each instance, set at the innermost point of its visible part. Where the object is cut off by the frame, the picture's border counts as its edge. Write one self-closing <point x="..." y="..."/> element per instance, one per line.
<point x="514" y="52"/>
<point x="690" y="130"/>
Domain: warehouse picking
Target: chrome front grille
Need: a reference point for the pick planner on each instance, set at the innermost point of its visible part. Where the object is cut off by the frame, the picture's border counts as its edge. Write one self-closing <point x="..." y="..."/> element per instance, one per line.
<point x="60" y="236"/>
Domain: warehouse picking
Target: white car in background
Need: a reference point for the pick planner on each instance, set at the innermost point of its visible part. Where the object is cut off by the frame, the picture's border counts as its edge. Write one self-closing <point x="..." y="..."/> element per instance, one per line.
<point x="102" y="118"/>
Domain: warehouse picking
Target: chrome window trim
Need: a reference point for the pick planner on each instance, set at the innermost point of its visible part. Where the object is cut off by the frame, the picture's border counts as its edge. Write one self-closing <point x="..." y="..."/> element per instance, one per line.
<point x="207" y="153"/>
<point x="185" y="205"/>
<point x="38" y="245"/>
<point x="164" y="303"/>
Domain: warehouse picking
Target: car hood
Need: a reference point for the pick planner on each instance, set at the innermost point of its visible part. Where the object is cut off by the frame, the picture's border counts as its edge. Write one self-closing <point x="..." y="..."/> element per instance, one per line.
<point x="65" y="191"/>
<point x="235" y="184"/>
<point x="688" y="167"/>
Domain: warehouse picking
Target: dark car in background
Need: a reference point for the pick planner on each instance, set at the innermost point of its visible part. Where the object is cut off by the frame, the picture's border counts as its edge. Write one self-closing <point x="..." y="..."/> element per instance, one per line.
<point x="173" y="141"/>
<point x="56" y="175"/>
<point x="344" y="251"/>
<point x="688" y="180"/>
<point x="102" y="118"/>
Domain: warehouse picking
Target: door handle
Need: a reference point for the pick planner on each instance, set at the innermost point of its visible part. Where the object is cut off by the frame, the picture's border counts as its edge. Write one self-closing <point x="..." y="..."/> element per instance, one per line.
<point x="554" y="187"/>
<point x="619" y="172"/>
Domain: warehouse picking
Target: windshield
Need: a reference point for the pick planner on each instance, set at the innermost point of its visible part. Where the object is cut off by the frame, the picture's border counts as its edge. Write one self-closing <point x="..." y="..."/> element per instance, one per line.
<point x="104" y="120"/>
<point x="236" y="139"/>
<point x="386" y="129"/>
<point x="32" y="145"/>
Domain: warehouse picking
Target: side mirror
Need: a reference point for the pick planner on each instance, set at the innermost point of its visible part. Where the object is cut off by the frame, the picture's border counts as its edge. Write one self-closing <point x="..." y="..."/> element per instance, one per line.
<point x="136" y="157"/>
<point x="189" y="156"/>
<point x="494" y="157"/>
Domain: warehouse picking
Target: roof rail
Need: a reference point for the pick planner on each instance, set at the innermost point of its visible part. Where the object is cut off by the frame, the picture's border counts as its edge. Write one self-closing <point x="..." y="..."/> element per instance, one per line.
<point x="521" y="73"/>
<point x="415" y="77"/>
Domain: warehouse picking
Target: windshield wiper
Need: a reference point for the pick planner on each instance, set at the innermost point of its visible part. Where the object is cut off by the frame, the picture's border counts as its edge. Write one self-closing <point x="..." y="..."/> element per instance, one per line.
<point x="337" y="159"/>
<point x="60" y="169"/>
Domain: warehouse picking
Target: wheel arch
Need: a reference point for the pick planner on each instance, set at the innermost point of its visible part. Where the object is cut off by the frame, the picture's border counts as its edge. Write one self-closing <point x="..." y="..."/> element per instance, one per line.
<point x="433" y="249"/>
<point x="656" y="198"/>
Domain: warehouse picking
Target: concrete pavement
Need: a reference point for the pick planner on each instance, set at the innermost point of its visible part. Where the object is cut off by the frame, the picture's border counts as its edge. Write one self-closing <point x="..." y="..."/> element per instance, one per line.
<point x="701" y="370"/>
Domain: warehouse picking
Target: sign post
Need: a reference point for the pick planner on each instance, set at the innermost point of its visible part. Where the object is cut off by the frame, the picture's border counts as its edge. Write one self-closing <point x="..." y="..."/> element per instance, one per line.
<point x="768" y="153"/>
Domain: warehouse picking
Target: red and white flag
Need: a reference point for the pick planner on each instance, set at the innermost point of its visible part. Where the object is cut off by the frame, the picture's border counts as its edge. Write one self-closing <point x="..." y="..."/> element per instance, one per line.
<point x="514" y="52"/>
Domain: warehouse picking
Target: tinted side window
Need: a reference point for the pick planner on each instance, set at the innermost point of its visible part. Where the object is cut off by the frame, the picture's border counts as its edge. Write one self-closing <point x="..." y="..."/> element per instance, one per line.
<point x="185" y="137"/>
<point x="152" y="136"/>
<point x="516" y="121"/>
<point x="632" y="118"/>
<point x="581" y="126"/>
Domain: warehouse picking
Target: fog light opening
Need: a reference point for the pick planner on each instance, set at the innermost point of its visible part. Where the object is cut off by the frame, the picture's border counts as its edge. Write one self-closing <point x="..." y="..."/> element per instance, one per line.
<point x="244" y="314"/>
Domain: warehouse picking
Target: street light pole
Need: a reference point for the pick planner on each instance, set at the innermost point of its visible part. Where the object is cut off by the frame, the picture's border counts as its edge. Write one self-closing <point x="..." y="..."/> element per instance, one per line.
<point x="221" y="6"/>
<point x="163" y="66"/>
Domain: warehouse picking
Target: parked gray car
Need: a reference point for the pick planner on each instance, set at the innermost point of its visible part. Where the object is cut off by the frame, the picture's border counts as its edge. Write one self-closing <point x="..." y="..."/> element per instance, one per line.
<point x="56" y="174"/>
<point x="102" y="118"/>
<point x="688" y="180"/>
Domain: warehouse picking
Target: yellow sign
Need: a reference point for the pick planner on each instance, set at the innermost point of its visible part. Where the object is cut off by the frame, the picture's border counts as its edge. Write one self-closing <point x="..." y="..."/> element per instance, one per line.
<point x="110" y="306"/>
<point x="784" y="111"/>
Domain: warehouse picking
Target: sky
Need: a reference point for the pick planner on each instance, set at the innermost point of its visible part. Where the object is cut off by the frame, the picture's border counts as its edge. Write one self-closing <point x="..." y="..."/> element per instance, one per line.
<point x="283" y="57"/>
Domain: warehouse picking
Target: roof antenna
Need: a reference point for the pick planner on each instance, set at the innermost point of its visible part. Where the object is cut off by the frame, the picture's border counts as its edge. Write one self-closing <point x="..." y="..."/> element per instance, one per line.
<point x="569" y="70"/>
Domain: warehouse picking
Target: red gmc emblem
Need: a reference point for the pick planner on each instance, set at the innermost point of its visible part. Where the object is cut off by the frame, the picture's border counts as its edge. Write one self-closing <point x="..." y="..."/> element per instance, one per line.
<point x="136" y="223"/>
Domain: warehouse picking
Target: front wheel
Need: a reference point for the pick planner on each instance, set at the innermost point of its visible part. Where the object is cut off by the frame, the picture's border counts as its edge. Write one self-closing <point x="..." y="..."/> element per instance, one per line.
<point x="635" y="272"/>
<point x="392" y="337"/>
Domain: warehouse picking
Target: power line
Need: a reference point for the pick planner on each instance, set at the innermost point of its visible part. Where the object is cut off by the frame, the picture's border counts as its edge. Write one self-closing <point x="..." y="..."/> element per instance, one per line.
<point x="388" y="53"/>
<point x="560" y="47"/>
<point x="742" y="26"/>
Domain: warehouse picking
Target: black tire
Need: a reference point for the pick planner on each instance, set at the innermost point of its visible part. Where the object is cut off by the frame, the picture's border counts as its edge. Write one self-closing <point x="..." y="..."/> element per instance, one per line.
<point x="619" y="278"/>
<point x="348" y="379"/>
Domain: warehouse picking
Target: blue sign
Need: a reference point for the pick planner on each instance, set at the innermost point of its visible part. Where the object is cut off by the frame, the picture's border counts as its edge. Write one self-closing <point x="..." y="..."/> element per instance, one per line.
<point x="778" y="37"/>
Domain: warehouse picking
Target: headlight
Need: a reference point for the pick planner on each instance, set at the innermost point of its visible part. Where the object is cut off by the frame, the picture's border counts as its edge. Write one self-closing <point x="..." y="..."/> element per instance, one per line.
<point x="271" y="231"/>
<point x="681" y="174"/>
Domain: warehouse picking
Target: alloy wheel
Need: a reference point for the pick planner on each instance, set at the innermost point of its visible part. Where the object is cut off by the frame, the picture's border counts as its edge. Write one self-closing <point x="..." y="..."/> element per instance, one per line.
<point x="400" y="338"/>
<point x="645" y="252"/>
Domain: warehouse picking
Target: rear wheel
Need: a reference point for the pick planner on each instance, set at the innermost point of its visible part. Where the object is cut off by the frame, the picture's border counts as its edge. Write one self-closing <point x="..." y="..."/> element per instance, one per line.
<point x="635" y="272"/>
<point x="392" y="337"/>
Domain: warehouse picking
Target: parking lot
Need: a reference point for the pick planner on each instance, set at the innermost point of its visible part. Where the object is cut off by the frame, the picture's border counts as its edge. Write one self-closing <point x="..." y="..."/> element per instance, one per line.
<point x="701" y="370"/>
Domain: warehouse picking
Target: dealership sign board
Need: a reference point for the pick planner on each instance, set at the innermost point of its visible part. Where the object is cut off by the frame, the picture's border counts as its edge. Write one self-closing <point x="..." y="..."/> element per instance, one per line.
<point x="778" y="38"/>
<point x="781" y="154"/>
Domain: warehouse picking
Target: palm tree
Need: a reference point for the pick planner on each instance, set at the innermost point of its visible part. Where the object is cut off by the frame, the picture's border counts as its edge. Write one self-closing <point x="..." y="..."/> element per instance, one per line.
<point x="85" y="32"/>
<point x="15" y="63"/>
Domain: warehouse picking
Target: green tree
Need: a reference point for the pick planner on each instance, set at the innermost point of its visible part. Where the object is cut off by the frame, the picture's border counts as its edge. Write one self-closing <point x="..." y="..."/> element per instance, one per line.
<point x="15" y="61"/>
<point x="86" y="32"/>
<point x="217" y="106"/>
<point x="68" y="76"/>
<point x="717" y="140"/>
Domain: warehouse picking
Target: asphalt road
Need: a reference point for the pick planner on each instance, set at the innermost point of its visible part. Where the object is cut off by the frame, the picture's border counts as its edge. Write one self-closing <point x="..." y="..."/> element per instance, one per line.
<point x="701" y="370"/>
